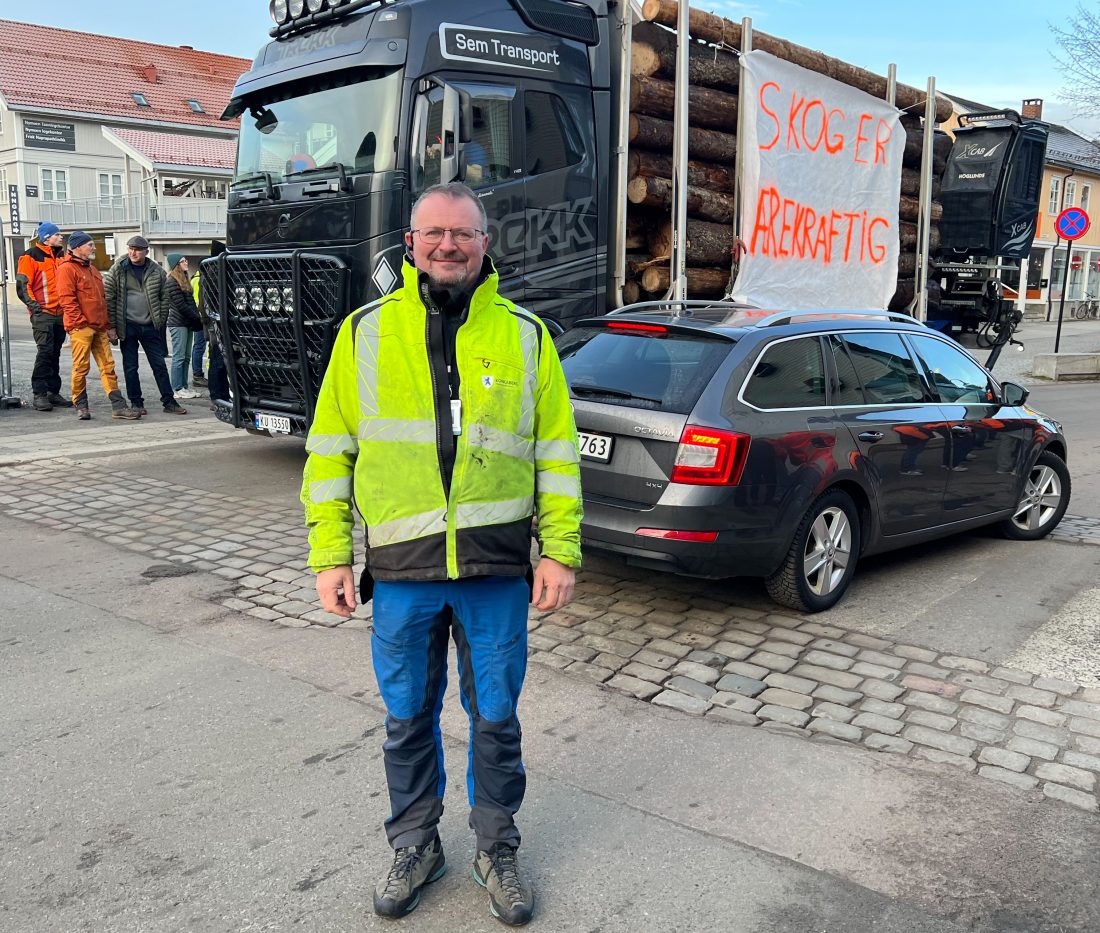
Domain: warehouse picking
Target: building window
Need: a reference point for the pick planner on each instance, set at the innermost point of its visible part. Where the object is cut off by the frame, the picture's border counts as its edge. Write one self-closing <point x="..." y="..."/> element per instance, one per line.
<point x="1071" y="193"/>
<point x="140" y="99"/>
<point x="195" y="106"/>
<point x="110" y="186"/>
<point x="1055" y="192"/>
<point x="55" y="184"/>
<point x="1086" y="190"/>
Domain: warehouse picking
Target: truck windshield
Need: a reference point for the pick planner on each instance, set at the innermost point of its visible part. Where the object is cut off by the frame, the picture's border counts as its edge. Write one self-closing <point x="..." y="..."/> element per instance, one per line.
<point x="347" y="120"/>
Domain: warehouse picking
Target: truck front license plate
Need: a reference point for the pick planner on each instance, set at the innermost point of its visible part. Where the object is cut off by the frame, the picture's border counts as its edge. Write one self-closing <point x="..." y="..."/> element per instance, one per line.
<point x="277" y="424"/>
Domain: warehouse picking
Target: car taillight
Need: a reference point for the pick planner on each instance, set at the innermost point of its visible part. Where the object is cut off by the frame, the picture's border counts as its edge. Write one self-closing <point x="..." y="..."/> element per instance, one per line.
<point x="672" y="535"/>
<point x="710" y="457"/>
<point x="637" y="327"/>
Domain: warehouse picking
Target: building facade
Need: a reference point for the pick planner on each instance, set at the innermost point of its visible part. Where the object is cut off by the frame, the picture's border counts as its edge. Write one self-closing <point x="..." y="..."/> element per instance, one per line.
<point x="115" y="137"/>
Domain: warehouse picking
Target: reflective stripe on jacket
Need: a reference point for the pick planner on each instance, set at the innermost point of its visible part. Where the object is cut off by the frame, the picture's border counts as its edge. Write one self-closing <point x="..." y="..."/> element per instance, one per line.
<point x="39" y="265"/>
<point x="382" y="432"/>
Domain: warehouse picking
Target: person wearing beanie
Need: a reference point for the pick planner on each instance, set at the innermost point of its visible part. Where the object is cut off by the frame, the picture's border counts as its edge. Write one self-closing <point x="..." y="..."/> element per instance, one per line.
<point x="137" y="300"/>
<point x="183" y="323"/>
<point x="84" y="311"/>
<point x="36" y="286"/>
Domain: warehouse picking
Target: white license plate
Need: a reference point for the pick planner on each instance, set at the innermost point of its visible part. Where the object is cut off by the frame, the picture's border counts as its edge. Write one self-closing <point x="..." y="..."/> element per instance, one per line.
<point x="276" y="423"/>
<point x="595" y="446"/>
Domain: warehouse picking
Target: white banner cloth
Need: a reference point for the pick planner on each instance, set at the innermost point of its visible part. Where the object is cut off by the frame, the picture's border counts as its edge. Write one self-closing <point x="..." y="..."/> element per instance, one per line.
<point x="820" y="188"/>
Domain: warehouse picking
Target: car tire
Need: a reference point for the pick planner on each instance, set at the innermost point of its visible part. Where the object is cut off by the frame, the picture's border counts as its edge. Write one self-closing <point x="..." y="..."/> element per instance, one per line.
<point x="822" y="557"/>
<point x="1043" y="500"/>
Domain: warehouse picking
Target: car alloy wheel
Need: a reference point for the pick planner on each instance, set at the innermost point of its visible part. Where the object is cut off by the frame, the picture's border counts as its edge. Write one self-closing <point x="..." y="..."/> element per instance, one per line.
<point x="822" y="557"/>
<point x="1042" y="502"/>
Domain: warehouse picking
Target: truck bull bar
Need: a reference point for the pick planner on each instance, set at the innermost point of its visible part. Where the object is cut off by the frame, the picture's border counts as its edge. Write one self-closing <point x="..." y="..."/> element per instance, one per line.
<point x="275" y="316"/>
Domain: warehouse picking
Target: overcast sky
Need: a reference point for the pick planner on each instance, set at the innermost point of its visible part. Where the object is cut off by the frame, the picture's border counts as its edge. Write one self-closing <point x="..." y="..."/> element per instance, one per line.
<point x="996" y="53"/>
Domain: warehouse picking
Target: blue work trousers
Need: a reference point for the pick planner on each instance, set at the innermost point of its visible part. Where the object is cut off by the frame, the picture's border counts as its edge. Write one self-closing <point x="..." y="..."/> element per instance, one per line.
<point x="413" y="620"/>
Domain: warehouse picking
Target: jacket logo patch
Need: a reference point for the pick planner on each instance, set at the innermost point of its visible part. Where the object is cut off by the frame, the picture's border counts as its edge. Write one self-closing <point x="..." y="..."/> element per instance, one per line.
<point x="487" y="381"/>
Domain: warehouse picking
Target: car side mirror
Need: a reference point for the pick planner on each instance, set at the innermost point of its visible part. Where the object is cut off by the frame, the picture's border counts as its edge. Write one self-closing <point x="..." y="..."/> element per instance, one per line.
<point x="1013" y="394"/>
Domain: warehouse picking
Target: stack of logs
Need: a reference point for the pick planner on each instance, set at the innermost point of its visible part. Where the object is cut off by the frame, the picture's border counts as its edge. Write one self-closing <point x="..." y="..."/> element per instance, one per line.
<point x="712" y="146"/>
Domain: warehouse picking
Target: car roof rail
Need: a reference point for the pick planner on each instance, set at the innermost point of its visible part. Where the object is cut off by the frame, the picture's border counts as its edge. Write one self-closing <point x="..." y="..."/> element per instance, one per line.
<point x="684" y="304"/>
<point x="784" y="317"/>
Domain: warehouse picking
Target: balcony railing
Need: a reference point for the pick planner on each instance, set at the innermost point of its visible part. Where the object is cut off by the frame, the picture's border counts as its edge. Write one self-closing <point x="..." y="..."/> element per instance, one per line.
<point x="171" y="217"/>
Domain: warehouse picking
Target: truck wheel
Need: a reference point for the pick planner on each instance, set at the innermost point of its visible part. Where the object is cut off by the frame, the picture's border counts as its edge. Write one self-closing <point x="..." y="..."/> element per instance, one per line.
<point x="822" y="558"/>
<point x="1043" y="500"/>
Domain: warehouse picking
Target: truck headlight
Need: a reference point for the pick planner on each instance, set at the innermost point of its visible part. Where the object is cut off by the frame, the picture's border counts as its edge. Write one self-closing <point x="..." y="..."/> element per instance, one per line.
<point x="296" y="7"/>
<point x="288" y="300"/>
<point x="256" y="298"/>
<point x="314" y="6"/>
<point x="240" y="298"/>
<point x="272" y="295"/>
<point x="279" y="11"/>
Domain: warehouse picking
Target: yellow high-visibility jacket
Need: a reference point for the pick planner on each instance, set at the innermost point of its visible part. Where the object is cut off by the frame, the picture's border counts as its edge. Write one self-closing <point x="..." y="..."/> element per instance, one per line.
<point x="383" y="433"/>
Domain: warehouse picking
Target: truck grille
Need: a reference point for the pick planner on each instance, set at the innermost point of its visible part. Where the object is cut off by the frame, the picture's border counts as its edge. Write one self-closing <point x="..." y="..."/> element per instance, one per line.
<point x="277" y="316"/>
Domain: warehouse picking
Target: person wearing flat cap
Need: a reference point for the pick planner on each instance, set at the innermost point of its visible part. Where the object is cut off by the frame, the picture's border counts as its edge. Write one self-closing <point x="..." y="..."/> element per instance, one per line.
<point x="137" y="299"/>
<point x="84" y="309"/>
<point x="36" y="286"/>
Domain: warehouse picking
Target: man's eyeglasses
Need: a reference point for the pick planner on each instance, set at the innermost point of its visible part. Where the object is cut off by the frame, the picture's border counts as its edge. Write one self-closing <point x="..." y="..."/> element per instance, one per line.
<point x="460" y="235"/>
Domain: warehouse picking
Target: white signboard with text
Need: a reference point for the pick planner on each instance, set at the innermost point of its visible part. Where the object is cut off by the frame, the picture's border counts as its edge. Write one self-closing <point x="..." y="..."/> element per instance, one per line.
<point x="820" y="190"/>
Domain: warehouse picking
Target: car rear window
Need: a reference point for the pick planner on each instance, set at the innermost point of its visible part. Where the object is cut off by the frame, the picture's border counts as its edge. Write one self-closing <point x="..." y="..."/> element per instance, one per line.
<point x="662" y="371"/>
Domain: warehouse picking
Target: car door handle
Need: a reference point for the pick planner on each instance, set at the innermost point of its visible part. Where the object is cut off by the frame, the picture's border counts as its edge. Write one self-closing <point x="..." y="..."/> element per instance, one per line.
<point x="961" y="429"/>
<point x="871" y="436"/>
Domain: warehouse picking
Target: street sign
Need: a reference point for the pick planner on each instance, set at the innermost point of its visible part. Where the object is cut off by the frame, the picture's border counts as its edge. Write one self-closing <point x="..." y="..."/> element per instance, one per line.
<point x="13" y="209"/>
<point x="1072" y="223"/>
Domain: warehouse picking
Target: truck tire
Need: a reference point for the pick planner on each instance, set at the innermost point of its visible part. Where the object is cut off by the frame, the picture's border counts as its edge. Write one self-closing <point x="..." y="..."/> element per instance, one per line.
<point x="822" y="557"/>
<point x="1043" y="500"/>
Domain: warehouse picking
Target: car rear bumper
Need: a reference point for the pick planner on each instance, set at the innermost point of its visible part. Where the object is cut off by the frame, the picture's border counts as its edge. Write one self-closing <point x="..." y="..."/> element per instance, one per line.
<point x="755" y="548"/>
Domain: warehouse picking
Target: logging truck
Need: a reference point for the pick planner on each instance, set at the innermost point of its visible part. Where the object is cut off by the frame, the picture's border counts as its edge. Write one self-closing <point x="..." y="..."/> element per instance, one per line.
<point x="567" y="118"/>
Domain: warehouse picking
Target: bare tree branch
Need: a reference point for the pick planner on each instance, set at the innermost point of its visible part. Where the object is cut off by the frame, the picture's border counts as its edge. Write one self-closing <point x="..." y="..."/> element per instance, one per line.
<point x="1080" y="61"/>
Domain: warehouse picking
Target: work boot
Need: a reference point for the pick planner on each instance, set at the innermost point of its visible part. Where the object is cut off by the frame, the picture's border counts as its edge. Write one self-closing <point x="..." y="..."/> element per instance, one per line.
<point x="511" y="899"/>
<point x="58" y="400"/>
<point x="42" y="403"/>
<point x="125" y="414"/>
<point x="199" y="380"/>
<point x="83" y="414"/>
<point x="174" y="408"/>
<point x="140" y="409"/>
<point x="413" y="867"/>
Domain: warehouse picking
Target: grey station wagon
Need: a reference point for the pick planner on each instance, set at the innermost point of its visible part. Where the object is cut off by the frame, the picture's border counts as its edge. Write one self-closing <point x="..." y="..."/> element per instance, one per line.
<point x="719" y="441"/>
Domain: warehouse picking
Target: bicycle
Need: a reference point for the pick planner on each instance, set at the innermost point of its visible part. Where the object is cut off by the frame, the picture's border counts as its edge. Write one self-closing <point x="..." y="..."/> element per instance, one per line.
<point x="1087" y="308"/>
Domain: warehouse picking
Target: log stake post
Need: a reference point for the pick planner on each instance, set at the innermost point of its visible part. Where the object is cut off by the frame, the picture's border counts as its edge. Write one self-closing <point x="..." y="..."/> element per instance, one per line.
<point x="619" y="166"/>
<point x="739" y="156"/>
<point x="678" y="285"/>
<point x="924" y="221"/>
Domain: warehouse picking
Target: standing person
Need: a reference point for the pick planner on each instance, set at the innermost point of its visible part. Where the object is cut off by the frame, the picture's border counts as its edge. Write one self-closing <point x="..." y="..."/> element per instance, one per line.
<point x="84" y="307"/>
<point x="36" y="286"/>
<point x="197" y="353"/>
<point x="138" y="303"/>
<point x="444" y="417"/>
<point x="219" y="378"/>
<point x="183" y="322"/>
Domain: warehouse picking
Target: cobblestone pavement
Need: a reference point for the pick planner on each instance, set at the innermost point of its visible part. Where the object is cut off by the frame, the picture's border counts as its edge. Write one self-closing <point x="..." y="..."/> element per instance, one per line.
<point x="652" y="637"/>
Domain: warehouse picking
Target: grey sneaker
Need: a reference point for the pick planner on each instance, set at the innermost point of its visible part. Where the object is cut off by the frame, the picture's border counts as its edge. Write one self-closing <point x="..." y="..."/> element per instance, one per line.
<point x="511" y="899"/>
<point x="42" y="403"/>
<point x="58" y="400"/>
<point x="174" y="408"/>
<point x="413" y="867"/>
<point x="125" y="414"/>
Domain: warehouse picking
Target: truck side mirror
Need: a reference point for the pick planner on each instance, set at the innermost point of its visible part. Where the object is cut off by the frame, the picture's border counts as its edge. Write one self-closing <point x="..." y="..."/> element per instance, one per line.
<point x="466" y="116"/>
<point x="451" y="131"/>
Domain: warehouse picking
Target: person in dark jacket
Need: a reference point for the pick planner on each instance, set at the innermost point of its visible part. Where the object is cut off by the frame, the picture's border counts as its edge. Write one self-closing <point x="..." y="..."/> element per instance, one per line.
<point x="183" y="322"/>
<point x="137" y="299"/>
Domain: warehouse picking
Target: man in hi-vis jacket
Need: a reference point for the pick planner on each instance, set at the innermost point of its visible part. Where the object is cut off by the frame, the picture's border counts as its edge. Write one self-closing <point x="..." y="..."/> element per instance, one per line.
<point x="444" y="417"/>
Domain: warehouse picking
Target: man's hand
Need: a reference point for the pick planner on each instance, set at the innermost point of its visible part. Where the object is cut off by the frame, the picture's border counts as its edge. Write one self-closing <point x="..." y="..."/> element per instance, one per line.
<point x="336" y="587"/>
<point x="112" y="335"/>
<point x="553" y="584"/>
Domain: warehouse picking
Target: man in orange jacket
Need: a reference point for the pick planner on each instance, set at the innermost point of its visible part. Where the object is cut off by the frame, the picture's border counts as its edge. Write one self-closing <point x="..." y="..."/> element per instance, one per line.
<point x="36" y="285"/>
<point x="84" y="306"/>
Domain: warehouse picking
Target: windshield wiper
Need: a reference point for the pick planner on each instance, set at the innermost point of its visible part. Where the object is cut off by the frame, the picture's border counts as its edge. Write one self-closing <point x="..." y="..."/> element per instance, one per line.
<point x="317" y="169"/>
<point x="614" y="393"/>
